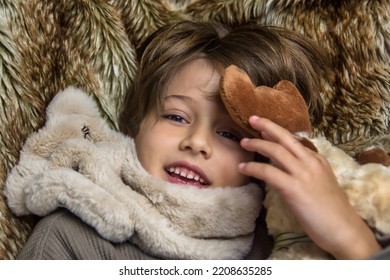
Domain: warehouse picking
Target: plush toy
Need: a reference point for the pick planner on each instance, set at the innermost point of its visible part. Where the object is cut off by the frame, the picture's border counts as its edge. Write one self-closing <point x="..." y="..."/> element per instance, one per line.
<point x="367" y="186"/>
<point x="78" y="162"/>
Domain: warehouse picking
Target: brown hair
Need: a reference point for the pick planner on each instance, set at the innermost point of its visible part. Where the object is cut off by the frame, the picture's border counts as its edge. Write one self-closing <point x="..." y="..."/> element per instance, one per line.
<point x="267" y="54"/>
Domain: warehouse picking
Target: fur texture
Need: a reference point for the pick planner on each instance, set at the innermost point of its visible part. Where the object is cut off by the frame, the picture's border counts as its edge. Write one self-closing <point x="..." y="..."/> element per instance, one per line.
<point x="282" y="104"/>
<point x="46" y="45"/>
<point x="76" y="161"/>
<point x="367" y="188"/>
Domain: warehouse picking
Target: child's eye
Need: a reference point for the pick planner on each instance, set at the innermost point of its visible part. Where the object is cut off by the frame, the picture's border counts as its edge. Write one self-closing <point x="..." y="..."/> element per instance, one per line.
<point x="175" y="118"/>
<point x="229" y="135"/>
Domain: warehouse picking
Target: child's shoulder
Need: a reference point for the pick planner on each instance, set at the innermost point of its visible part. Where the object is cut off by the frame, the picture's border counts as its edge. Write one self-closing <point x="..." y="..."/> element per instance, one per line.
<point x="63" y="235"/>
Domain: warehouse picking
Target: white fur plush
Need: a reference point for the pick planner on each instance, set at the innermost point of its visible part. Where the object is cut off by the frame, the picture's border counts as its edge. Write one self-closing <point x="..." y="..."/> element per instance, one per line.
<point x="367" y="188"/>
<point x="78" y="162"/>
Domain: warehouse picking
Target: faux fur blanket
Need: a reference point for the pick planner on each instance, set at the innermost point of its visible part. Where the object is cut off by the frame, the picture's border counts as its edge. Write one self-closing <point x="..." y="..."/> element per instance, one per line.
<point x="76" y="161"/>
<point x="47" y="45"/>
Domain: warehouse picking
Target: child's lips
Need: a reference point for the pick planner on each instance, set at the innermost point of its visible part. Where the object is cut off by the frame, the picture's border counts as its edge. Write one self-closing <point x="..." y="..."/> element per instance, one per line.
<point x="185" y="174"/>
<point x="177" y="179"/>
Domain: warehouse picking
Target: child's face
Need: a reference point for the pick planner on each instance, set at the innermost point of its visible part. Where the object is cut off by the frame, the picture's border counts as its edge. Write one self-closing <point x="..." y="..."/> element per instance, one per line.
<point x="193" y="141"/>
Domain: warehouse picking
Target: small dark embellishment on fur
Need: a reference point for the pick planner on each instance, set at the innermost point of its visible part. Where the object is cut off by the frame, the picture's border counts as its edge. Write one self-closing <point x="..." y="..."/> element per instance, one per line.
<point x="75" y="166"/>
<point x="85" y="131"/>
<point x="285" y="240"/>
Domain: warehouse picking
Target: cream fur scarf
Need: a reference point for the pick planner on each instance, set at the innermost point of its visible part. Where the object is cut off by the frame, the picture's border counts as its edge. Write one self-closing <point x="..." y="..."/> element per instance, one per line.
<point x="76" y="161"/>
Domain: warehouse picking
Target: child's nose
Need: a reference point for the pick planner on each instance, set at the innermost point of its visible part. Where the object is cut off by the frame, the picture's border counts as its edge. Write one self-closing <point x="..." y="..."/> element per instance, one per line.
<point x="198" y="141"/>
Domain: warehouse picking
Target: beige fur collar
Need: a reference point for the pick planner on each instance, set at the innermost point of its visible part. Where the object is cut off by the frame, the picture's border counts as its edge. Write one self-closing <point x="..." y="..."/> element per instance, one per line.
<point x="76" y="161"/>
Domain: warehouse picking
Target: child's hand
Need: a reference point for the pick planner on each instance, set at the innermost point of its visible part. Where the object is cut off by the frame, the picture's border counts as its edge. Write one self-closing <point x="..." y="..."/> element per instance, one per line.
<point x="306" y="182"/>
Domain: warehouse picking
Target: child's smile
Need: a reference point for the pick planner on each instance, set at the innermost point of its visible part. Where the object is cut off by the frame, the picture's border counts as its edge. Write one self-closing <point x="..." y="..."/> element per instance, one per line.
<point x="184" y="173"/>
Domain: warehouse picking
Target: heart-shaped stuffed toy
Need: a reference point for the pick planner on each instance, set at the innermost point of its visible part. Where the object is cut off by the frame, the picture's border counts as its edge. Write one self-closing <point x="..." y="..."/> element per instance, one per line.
<point x="283" y="104"/>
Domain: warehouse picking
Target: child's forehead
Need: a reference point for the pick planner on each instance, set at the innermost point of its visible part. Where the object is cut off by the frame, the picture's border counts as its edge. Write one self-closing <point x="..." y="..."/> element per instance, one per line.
<point x="205" y="80"/>
<point x="212" y="96"/>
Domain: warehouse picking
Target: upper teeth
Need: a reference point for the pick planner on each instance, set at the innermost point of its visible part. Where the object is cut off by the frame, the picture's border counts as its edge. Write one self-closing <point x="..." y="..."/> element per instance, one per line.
<point x="183" y="172"/>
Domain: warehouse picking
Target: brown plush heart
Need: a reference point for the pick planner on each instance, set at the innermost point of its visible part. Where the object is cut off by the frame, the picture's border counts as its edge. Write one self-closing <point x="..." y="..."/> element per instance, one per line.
<point x="283" y="104"/>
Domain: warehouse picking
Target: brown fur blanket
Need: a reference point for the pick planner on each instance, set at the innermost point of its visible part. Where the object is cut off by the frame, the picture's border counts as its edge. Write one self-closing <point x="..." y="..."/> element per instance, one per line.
<point x="46" y="45"/>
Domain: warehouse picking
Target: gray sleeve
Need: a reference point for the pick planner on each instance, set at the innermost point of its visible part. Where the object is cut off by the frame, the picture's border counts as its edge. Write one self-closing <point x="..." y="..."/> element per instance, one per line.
<point x="384" y="254"/>
<point x="63" y="236"/>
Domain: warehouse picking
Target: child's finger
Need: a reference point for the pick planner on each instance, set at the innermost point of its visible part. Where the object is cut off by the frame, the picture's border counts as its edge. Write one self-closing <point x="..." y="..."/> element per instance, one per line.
<point x="275" y="133"/>
<point x="280" y="157"/>
<point x="268" y="173"/>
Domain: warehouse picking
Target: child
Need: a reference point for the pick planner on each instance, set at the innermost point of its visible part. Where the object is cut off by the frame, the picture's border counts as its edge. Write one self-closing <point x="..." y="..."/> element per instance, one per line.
<point x="184" y="135"/>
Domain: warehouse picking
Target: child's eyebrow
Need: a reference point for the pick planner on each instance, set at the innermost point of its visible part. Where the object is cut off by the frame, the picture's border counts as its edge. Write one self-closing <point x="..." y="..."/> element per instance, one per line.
<point x="182" y="98"/>
<point x="188" y="99"/>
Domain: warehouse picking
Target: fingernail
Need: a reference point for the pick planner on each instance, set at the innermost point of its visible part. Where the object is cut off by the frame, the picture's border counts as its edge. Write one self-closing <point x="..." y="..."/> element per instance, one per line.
<point x="244" y="140"/>
<point x="241" y="165"/>
<point x="254" y="118"/>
